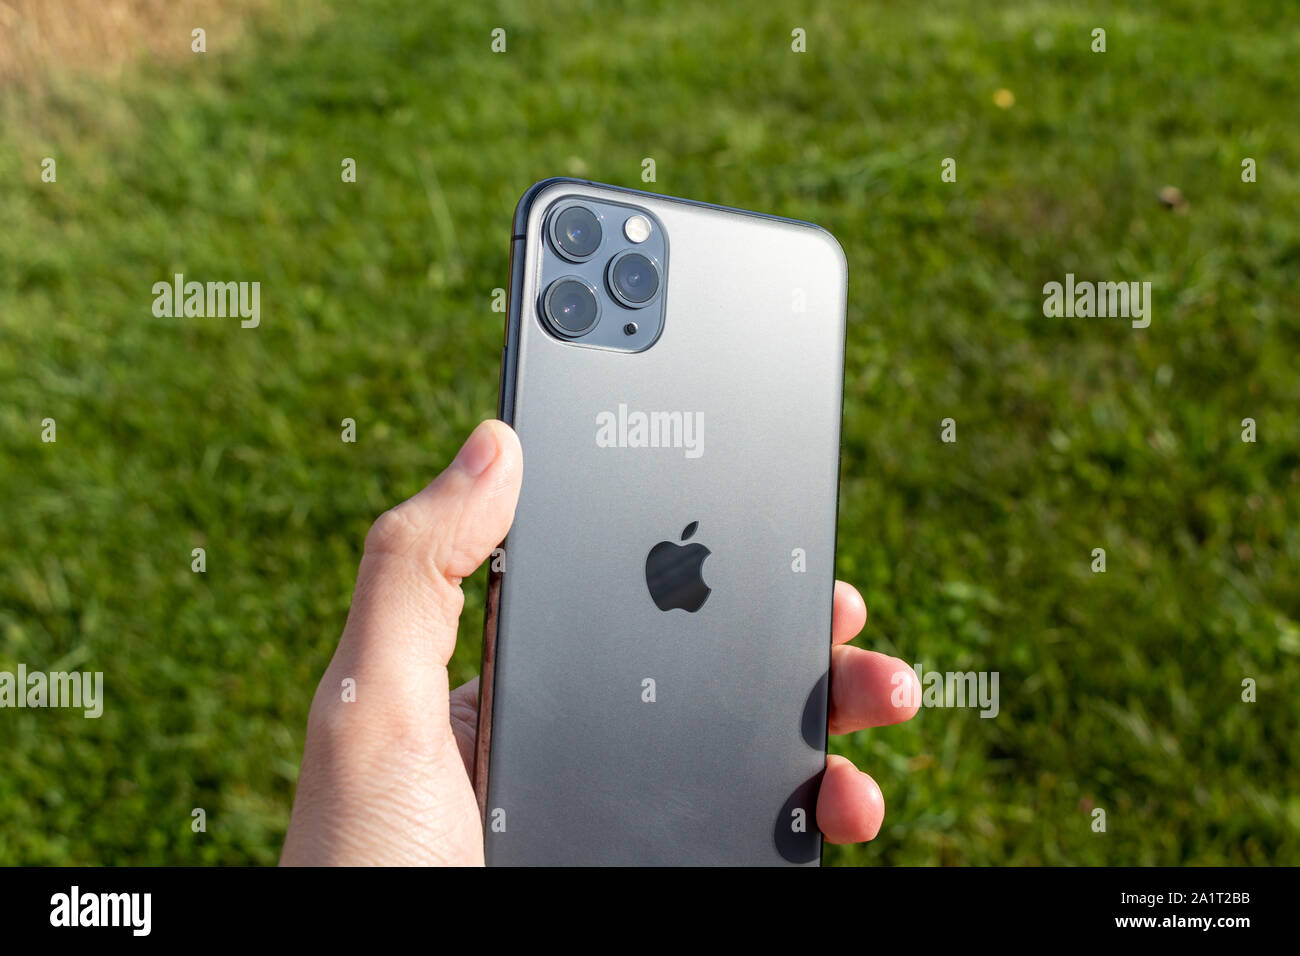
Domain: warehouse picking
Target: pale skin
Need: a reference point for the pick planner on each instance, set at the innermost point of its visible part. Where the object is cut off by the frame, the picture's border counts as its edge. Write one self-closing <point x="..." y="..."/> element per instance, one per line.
<point x="386" y="778"/>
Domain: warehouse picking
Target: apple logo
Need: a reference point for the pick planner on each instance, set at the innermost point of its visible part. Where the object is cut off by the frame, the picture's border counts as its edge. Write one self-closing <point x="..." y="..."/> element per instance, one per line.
<point x="673" y="573"/>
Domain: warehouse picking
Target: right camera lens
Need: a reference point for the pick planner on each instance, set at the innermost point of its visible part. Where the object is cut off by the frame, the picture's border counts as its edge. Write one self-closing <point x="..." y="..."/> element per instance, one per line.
<point x="576" y="232"/>
<point x="633" y="278"/>
<point x="570" y="306"/>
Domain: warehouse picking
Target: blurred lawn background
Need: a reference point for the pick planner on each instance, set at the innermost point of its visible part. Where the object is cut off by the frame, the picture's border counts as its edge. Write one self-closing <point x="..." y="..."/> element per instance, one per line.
<point x="1119" y="691"/>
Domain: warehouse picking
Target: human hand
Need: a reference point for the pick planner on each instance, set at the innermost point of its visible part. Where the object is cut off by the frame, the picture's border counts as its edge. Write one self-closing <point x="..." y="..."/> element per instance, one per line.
<point x="386" y="777"/>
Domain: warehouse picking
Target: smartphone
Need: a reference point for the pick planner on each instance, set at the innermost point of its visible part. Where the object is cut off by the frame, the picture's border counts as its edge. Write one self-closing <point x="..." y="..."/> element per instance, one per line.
<point x="658" y="625"/>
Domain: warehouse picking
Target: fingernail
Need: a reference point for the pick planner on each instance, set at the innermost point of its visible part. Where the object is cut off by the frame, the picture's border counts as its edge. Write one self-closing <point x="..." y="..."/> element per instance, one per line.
<point x="479" y="451"/>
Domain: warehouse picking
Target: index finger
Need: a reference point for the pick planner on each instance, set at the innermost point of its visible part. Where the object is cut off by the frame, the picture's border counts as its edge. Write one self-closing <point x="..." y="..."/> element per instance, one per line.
<point x="849" y="614"/>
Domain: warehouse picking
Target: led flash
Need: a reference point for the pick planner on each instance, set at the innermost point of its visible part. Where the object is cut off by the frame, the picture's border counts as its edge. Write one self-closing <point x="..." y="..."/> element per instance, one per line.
<point x="637" y="229"/>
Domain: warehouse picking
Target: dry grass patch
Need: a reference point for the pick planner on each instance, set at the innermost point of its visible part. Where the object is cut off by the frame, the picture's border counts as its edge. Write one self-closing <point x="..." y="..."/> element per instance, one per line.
<point x="40" y="39"/>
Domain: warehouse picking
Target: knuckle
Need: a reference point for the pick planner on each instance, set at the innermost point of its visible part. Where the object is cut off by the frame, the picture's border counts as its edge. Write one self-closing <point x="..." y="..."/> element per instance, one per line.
<point x="393" y="532"/>
<point x="363" y="735"/>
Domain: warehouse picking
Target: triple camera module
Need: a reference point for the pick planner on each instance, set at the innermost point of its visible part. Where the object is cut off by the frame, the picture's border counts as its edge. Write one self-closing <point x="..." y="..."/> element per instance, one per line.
<point x="603" y="272"/>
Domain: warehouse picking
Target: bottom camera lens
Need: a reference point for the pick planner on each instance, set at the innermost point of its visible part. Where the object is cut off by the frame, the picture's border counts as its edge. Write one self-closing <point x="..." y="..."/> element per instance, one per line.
<point x="571" y="306"/>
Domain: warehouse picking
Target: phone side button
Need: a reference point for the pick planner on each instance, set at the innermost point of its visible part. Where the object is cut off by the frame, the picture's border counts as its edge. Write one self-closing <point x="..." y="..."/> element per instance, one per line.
<point x="515" y="277"/>
<point x="501" y="389"/>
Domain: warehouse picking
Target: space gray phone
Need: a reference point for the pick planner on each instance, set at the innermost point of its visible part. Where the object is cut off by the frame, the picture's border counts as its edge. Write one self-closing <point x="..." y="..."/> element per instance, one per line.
<point x="656" y="655"/>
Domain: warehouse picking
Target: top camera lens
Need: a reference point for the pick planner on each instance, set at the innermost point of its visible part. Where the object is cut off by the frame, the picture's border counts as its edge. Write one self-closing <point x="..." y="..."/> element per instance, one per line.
<point x="633" y="279"/>
<point x="576" y="232"/>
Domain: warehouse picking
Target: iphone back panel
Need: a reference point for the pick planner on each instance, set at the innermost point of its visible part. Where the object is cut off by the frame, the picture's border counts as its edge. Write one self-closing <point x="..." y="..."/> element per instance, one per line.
<point x="658" y="627"/>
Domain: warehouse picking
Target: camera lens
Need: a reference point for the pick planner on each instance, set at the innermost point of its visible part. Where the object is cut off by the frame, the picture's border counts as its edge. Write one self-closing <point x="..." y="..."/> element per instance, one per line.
<point x="570" y="306"/>
<point x="575" y="230"/>
<point x="633" y="278"/>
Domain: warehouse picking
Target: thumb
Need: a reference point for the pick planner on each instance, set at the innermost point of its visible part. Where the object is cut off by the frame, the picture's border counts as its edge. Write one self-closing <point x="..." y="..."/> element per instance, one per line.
<point x="408" y="599"/>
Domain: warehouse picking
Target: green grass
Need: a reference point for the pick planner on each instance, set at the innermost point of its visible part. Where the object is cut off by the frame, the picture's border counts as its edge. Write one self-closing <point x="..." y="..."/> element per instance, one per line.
<point x="1120" y="691"/>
